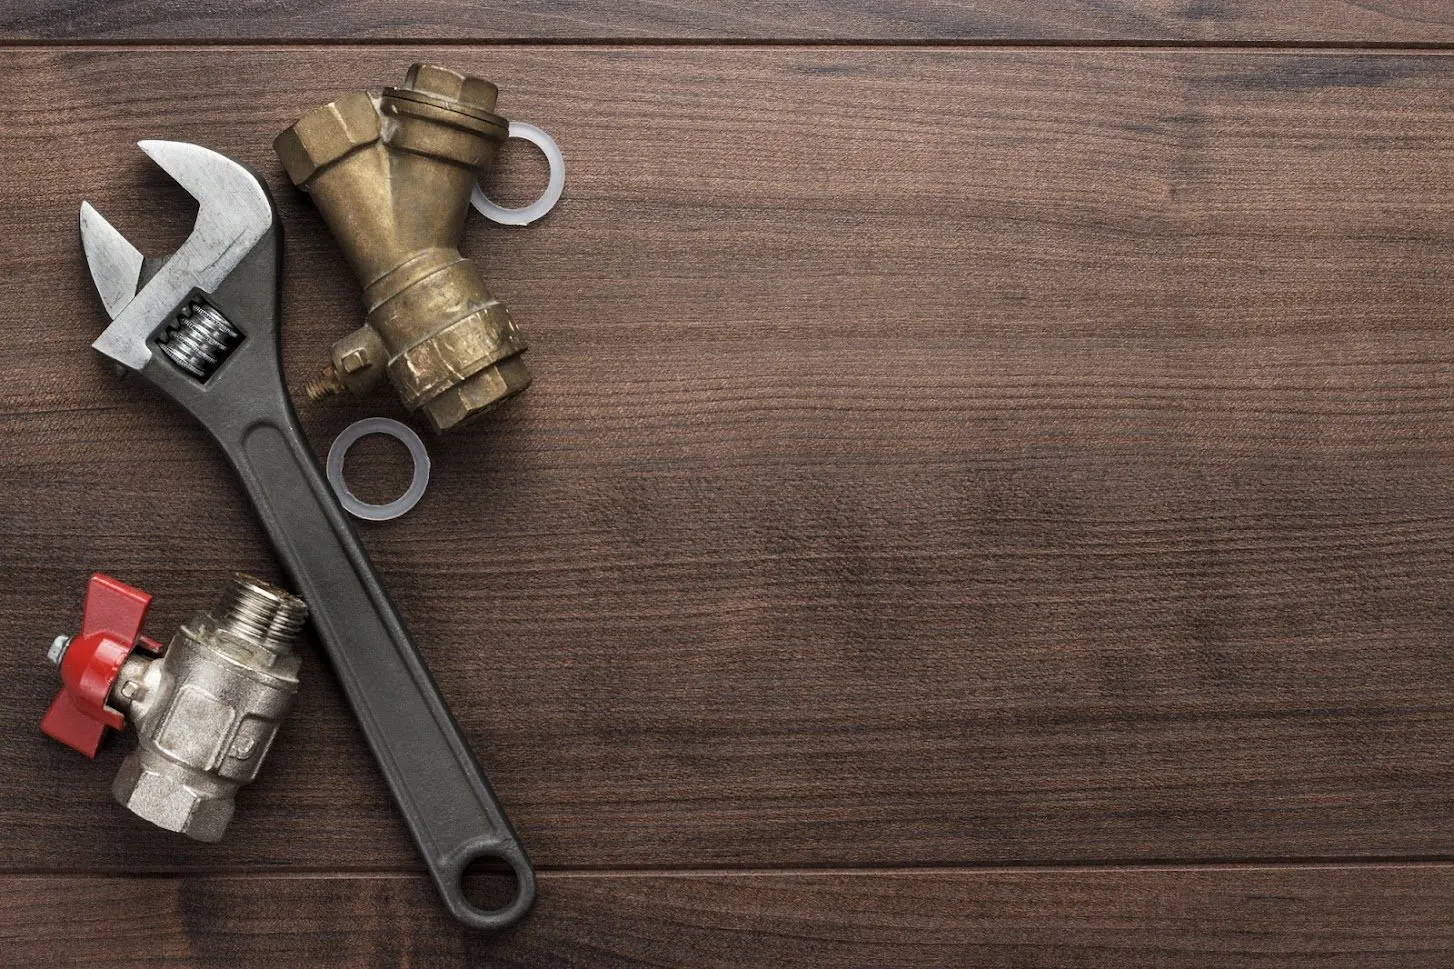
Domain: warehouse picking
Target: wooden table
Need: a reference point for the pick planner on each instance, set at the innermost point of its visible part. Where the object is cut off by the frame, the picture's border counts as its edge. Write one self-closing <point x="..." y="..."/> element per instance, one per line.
<point x="985" y="499"/>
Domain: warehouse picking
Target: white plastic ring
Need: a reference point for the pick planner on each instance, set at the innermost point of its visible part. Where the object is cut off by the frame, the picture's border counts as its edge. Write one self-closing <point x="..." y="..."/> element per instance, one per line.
<point x="350" y="437"/>
<point x="537" y="209"/>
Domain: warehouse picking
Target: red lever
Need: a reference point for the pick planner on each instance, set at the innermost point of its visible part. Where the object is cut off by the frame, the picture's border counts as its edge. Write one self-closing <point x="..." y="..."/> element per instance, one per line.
<point x="110" y="630"/>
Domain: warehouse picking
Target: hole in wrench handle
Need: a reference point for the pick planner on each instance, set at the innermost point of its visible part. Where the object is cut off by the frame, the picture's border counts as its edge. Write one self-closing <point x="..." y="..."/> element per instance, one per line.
<point x="449" y="879"/>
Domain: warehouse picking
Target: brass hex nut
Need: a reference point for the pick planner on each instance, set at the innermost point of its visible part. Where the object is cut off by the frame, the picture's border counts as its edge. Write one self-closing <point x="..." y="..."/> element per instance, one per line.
<point x="480" y="393"/>
<point x="473" y="93"/>
<point x="326" y="134"/>
<point x="454" y="354"/>
<point x="168" y="803"/>
<point x="358" y="360"/>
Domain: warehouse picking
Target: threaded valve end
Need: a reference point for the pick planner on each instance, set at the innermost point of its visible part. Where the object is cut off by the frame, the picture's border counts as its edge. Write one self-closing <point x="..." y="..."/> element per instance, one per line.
<point x="262" y="613"/>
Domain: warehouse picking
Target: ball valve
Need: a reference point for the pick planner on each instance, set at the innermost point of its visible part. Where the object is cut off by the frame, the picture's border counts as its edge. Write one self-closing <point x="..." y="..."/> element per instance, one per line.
<point x="206" y="707"/>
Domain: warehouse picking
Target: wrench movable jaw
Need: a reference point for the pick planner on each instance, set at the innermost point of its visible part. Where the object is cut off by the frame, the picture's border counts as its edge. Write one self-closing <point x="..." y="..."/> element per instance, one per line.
<point x="234" y="214"/>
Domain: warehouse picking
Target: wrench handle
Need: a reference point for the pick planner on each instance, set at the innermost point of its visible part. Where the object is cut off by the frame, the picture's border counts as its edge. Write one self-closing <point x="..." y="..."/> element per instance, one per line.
<point x="443" y="794"/>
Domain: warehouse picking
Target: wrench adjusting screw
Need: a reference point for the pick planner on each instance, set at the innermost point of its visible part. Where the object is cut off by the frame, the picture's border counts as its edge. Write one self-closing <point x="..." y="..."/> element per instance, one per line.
<point x="199" y="339"/>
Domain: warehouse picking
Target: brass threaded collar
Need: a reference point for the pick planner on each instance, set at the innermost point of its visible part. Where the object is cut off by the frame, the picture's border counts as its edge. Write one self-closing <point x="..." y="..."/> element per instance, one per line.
<point x="476" y="124"/>
<point x="445" y="104"/>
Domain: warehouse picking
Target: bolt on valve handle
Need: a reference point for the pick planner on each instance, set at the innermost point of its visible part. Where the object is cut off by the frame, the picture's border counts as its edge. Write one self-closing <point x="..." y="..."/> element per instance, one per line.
<point x="203" y="329"/>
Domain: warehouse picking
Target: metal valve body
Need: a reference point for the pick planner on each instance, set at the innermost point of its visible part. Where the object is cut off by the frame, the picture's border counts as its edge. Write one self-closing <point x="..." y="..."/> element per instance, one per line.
<point x="392" y="176"/>
<point x="205" y="710"/>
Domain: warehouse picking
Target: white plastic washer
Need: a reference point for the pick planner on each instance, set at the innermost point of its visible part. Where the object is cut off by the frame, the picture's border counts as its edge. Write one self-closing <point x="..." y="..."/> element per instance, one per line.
<point x="537" y="209"/>
<point x="351" y="436"/>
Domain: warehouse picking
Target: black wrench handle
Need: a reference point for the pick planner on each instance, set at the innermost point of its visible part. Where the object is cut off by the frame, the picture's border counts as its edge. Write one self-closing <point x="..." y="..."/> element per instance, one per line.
<point x="440" y="789"/>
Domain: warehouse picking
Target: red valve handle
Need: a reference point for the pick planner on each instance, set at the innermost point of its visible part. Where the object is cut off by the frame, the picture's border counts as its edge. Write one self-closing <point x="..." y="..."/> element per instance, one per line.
<point x="110" y="630"/>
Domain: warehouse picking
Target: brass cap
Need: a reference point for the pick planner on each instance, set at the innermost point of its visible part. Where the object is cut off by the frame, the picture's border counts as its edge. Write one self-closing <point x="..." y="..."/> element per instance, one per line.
<point x="445" y="114"/>
<point x="448" y="97"/>
<point x="469" y="93"/>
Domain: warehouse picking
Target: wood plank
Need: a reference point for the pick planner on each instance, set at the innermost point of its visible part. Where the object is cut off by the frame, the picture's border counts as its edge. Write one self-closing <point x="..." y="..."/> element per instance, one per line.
<point x="935" y="457"/>
<point x="997" y="21"/>
<point x="1390" y="917"/>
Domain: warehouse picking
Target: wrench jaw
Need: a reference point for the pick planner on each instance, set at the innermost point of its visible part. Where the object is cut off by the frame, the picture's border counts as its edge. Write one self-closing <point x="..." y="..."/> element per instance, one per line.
<point x="235" y="218"/>
<point x="185" y="320"/>
<point x="114" y="262"/>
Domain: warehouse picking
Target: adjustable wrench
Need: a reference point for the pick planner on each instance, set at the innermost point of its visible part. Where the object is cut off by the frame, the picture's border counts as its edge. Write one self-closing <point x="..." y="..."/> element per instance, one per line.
<point x="201" y="325"/>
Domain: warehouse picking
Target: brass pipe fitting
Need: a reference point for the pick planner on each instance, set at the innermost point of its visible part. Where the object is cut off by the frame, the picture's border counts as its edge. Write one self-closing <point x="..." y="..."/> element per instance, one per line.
<point x="392" y="175"/>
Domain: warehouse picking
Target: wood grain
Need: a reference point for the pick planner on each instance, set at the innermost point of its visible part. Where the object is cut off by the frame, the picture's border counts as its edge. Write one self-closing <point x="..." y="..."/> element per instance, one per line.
<point x="935" y="458"/>
<point x="1069" y="21"/>
<point x="1329" y="918"/>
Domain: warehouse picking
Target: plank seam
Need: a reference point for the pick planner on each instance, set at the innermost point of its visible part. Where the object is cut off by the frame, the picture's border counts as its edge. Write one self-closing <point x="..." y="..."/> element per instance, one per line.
<point x="1252" y="865"/>
<point x="1024" y="44"/>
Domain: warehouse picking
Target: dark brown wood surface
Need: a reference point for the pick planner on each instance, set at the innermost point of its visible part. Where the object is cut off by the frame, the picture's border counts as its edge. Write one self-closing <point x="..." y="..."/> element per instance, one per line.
<point x="1320" y="918"/>
<point x="492" y="21"/>
<point x="977" y="506"/>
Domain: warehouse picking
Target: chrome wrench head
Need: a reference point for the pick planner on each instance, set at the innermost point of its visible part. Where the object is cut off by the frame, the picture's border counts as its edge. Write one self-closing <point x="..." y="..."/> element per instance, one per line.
<point x="234" y="213"/>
